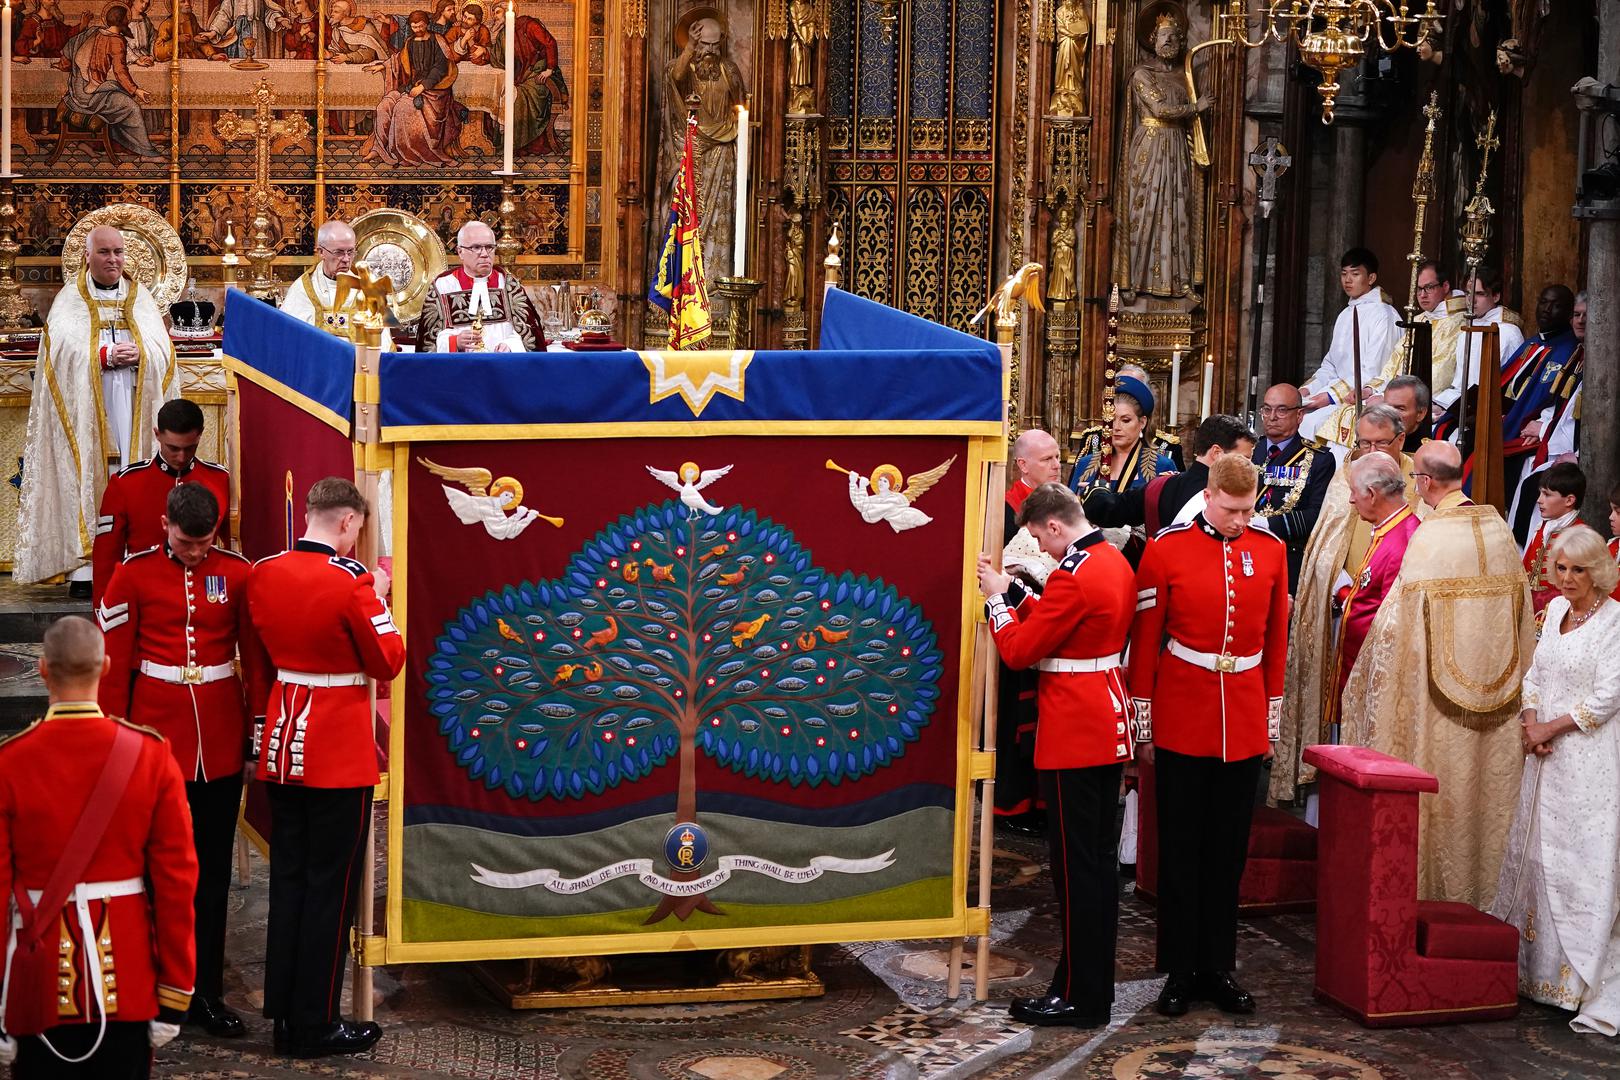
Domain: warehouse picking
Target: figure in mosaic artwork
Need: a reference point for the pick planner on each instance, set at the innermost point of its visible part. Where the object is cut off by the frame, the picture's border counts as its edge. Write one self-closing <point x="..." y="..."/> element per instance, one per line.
<point x="417" y="122"/>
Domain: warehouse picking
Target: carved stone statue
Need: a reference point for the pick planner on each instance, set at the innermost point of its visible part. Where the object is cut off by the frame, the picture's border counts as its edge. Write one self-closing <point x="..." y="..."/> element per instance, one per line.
<point x="1060" y="256"/>
<point x="1158" y="248"/>
<point x="704" y="67"/>
<point x="793" y="259"/>
<point x="1073" y="31"/>
<point x="801" y="58"/>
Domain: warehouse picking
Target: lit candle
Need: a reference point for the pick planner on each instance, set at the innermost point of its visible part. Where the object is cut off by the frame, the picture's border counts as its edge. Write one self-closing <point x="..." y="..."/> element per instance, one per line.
<point x="5" y="90"/>
<point x="1209" y="383"/>
<point x="739" y="239"/>
<point x="1175" y="388"/>
<point x="511" y="62"/>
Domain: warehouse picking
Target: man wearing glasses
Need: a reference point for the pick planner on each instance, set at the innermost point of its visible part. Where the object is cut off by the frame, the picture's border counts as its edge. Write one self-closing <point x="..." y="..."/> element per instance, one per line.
<point x="1444" y="309"/>
<point x="310" y="298"/>
<point x="1331" y="565"/>
<point x="1294" y="475"/>
<point x="478" y="307"/>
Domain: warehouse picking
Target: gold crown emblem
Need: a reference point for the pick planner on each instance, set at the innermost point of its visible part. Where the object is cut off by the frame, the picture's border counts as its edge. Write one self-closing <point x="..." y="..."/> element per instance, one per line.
<point x="687" y="837"/>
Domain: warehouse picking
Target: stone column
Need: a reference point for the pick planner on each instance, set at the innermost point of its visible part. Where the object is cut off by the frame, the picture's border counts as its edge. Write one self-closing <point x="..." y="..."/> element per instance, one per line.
<point x="1600" y="378"/>
<point x="1348" y="199"/>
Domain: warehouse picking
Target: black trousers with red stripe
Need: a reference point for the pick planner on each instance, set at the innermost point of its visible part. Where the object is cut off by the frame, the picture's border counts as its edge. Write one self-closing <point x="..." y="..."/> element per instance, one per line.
<point x="317" y="854"/>
<point x="1081" y="830"/>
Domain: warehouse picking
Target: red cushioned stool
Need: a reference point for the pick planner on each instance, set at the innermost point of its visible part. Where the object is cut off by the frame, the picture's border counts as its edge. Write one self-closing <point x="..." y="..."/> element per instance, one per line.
<point x="1381" y="955"/>
<point x="1279" y="877"/>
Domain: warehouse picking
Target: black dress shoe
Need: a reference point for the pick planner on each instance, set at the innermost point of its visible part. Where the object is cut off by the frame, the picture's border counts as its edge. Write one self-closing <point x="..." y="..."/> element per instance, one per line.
<point x="339" y="1037"/>
<point x="1053" y="1011"/>
<point x="1032" y="823"/>
<point x="1175" y="997"/>
<point x="1223" y="991"/>
<point x="281" y="1036"/>
<point x="212" y="1016"/>
<point x="78" y="590"/>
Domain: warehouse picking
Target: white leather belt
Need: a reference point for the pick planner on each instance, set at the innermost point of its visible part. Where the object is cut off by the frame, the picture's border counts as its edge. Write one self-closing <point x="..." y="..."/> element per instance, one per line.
<point x="321" y="678"/>
<point x="1067" y="664"/>
<point x="98" y="890"/>
<point x="1222" y="662"/>
<point x="189" y="675"/>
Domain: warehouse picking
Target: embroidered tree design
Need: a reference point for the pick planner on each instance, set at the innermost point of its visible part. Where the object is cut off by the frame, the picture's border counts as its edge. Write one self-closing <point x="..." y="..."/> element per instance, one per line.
<point x="667" y="635"/>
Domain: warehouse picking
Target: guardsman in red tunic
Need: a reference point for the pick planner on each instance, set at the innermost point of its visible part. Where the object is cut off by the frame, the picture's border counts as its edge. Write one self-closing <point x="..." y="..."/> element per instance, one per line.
<point x="1075" y="633"/>
<point x="321" y="621"/>
<point x="132" y="507"/>
<point x="96" y="864"/>
<point x="173" y="615"/>
<point x="1207" y="657"/>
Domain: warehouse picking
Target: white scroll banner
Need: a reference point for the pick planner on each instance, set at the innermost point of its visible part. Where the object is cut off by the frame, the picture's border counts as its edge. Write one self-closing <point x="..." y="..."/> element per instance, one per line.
<point x="642" y="869"/>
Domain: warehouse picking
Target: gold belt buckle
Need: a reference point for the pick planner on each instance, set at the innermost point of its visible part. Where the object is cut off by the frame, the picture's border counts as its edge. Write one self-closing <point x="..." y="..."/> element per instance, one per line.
<point x="1226" y="662"/>
<point x="191" y="675"/>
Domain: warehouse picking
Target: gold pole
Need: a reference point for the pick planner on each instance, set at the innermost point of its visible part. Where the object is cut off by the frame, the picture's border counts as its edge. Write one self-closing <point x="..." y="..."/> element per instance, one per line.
<point x="507" y="247"/>
<point x="1422" y="192"/>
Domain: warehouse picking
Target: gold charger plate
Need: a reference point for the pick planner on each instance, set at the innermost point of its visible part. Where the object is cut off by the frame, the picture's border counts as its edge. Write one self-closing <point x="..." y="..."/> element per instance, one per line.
<point x="400" y="245"/>
<point x="153" y="254"/>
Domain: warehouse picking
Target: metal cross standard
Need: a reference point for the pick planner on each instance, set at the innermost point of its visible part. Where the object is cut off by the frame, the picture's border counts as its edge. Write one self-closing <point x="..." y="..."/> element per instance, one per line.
<point x="1269" y="161"/>
<point x="233" y="127"/>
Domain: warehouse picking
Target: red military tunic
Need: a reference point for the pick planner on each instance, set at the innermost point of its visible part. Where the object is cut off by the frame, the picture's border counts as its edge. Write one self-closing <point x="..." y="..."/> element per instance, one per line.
<point x="1538" y="562"/>
<point x="1074" y="632"/>
<point x="1228" y="601"/>
<point x="172" y="635"/>
<point x="141" y="931"/>
<point x="322" y="628"/>
<point x="133" y="505"/>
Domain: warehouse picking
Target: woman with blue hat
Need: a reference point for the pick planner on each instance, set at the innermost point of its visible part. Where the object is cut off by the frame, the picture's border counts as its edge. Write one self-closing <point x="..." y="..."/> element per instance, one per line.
<point x="1128" y="459"/>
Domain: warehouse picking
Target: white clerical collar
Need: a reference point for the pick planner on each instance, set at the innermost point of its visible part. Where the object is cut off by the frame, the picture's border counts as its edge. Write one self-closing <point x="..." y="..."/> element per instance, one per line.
<point x="1371" y="296"/>
<point x="1393" y="514"/>
<point x="113" y="289"/>
<point x="1494" y="315"/>
<point x="478" y="303"/>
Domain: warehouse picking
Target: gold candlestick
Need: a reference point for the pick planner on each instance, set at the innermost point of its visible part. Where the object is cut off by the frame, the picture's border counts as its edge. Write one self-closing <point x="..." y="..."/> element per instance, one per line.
<point x="16" y="313"/>
<point x="507" y="247"/>
<point x="739" y="293"/>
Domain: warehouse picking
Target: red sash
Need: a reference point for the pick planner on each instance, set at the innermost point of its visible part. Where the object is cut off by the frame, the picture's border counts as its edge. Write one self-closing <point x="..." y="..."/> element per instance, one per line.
<point x="34" y="966"/>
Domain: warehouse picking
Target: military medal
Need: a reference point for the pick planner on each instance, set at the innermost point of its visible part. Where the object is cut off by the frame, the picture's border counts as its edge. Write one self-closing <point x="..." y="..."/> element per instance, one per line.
<point x="215" y="587"/>
<point x="1248" y="564"/>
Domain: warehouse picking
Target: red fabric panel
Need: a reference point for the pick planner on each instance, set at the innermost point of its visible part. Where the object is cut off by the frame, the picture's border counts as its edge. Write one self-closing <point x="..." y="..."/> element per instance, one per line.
<point x="1277" y="834"/>
<point x="278" y="438"/>
<point x="1456" y="931"/>
<point x="1363" y="768"/>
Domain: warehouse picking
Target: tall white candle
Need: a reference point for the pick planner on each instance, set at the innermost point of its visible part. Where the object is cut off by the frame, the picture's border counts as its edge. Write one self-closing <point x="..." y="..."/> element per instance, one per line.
<point x="1175" y="389"/>
<point x="5" y="90"/>
<point x="739" y="239"/>
<point x="511" y="62"/>
<point x="1209" y="383"/>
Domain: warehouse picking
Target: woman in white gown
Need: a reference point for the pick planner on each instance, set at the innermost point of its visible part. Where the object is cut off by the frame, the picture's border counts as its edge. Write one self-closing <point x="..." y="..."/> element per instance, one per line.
<point x="1560" y="882"/>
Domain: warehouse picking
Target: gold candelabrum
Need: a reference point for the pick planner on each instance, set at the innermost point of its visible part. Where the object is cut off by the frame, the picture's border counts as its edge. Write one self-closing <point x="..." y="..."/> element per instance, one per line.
<point x="507" y="246"/>
<point x="232" y="127"/>
<point x="1422" y="194"/>
<point x="1333" y="35"/>
<point x="16" y="313"/>
<point x="1476" y="223"/>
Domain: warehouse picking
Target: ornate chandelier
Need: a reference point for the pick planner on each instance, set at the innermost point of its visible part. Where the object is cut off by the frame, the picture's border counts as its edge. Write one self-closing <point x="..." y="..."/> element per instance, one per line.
<point x="1334" y="34"/>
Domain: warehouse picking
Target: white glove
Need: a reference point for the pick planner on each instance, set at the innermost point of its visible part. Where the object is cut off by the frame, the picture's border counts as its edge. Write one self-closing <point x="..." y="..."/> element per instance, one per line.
<point x="8" y="1049"/>
<point x="161" y="1034"/>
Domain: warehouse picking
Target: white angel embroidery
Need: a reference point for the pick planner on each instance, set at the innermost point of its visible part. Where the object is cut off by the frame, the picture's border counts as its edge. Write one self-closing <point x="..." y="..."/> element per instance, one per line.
<point x="888" y="500"/>
<point x="689" y="482"/>
<point x="496" y="505"/>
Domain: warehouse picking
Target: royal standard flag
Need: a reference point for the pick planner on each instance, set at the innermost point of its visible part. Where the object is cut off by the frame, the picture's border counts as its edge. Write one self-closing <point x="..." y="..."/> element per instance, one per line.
<point x="679" y="287"/>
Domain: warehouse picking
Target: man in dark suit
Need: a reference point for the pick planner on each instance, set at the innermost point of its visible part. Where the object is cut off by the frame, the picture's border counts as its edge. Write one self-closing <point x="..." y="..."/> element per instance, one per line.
<point x="1295" y="477"/>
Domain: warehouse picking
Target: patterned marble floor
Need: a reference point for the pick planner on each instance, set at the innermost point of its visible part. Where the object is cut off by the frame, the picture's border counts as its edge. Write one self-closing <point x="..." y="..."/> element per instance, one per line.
<point x="885" y="1015"/>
